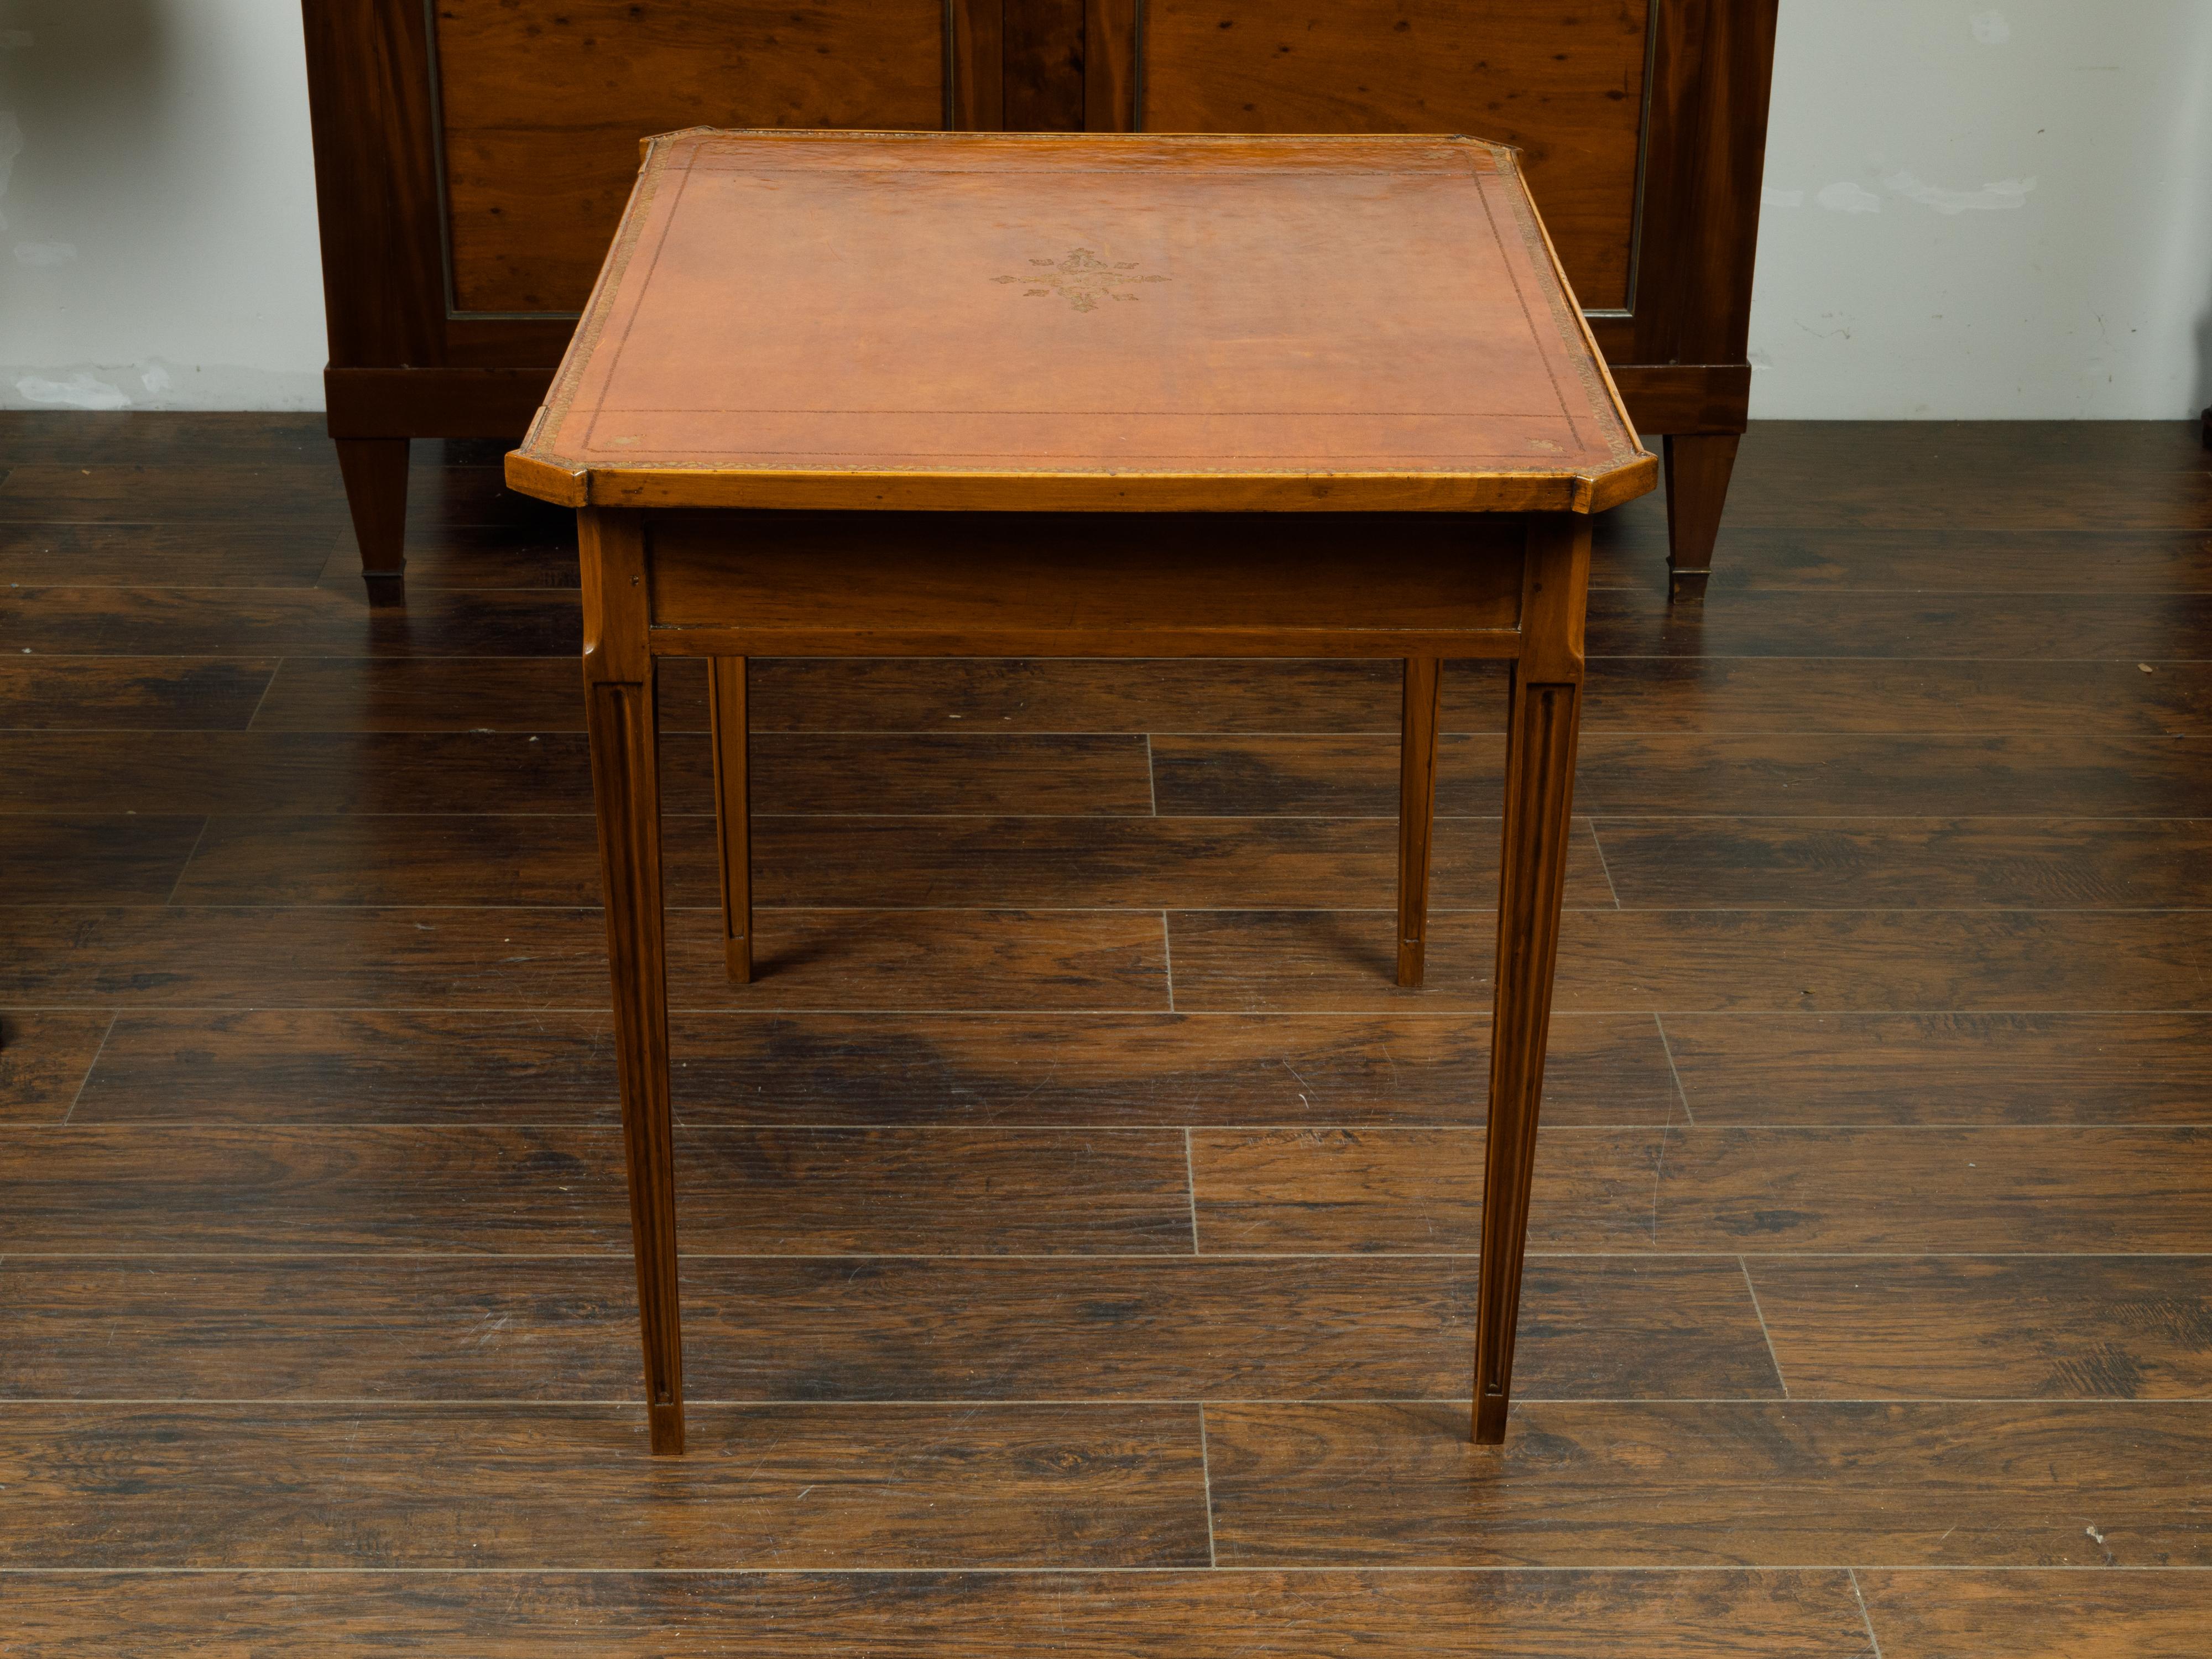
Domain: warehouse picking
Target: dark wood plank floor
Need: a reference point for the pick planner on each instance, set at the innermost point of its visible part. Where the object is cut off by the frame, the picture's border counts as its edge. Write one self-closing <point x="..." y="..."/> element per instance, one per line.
<point x="1078" y="1225"/>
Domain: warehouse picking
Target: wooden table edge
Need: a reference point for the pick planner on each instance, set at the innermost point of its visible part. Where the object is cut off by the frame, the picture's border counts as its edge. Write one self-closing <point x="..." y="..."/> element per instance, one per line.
<point x="569" y="484"/>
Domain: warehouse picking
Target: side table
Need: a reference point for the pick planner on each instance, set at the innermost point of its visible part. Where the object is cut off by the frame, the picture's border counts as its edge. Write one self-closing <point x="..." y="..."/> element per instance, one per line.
<point x="923" y="394"/>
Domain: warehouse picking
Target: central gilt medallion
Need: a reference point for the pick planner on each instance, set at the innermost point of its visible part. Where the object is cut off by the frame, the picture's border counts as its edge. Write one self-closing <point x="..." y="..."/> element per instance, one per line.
<point x="1083" y="279"/>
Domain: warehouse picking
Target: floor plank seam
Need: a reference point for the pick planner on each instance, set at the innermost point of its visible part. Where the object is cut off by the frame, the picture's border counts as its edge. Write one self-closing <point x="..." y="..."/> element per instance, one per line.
<point x="1597" y="845"/>
<point x="1206" y="1474"/>
<point x="1780" y="1381"/>
<point x="1865" y="1612"/>
<point x="1190" y="1185"/>
<point x="1667" y="1047"/>
<point x="184" y="868"/>
<point x="90" y="1066"/>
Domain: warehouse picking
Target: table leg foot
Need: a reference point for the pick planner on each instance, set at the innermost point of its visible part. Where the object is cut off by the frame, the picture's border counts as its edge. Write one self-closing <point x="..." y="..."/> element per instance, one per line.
<point x="1699" y="468"/>
<point x="375" y="474"/>
<point x="1490" y="1420"/>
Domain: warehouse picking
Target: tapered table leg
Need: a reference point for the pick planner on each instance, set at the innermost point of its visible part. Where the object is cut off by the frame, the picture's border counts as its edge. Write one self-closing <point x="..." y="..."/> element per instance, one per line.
<point x="1539" y="775"/>
<point x="726" y="702"/>
<point x="618" y="685"/>
<point x="1417" y="813"/>
<point x="1699" y="468"/>
<point x="375" y="474"/>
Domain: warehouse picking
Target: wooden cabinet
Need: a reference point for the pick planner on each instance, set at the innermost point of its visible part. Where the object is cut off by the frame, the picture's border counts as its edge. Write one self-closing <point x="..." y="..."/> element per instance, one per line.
<point x="473" y="156"/>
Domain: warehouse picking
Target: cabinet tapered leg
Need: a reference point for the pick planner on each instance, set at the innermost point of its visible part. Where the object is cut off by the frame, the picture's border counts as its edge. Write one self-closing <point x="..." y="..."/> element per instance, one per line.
<point x="618" y="685"/>
<point x="375" y="474"/>
<point x="1544" y="715"/>
<point x="734" y="829"/>
<point x="1417" y="813"/>
<point x="1699" y="468"/>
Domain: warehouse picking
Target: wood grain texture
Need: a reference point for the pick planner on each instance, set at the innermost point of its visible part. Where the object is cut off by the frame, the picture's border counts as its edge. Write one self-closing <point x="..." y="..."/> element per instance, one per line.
<point x="2105" y="1328"/>
<point x="158" y="621"/>
<point x="888" y="861"/>
<point x="1790" y="775"/>
<point x="1943" y="864"/>
<point x="1539" y="775"/>
<point x="369" y="109"/>
<point x="468" y="557"/>
<point x="2038" y="1615"/>
<point x="1092" y="585"/>
<point x="311" y="773"/>
<point x="1417" y="814"/>
<point x="375" y="472"/>
<point x="1685" y="1484"/>
<point x="150" y="955"/>
<point x="1695" y="775"/>
<point x="1351" y="775"/>
<point x="2012" y="561"/>
<point x="45" y="1056"/>
<point x="199" y="437"/>
<point x="1920" y="476"/>
<point x="151" y="694"/>
<point x="211" y="554"/>
<point x="52" y="859"/>
<point x="383" y="1066"/>
<point x="1699" y="467"/>
<point x="456" y="694"/>
<point x="730" y="730"/>
<point x="618" y="696"/>
<point x="505" y="1487"/>
<point x="537" y="694"/>
<point x="307" y="490"/>
<point x="1627" y="623"/>
<point x="1945" y="1069"/>
<point x="1572" y="99"/>
<point x="856" y="1329"/>
<point x="535" y="198"/>
<point x="1064" y="695"/>
<point x="374" y="1185"/>
<point x="252" y="499"/>
<point x="1616" y="961"/>
<point x="733" y="1615"/>
<point x="263" y="1190"/>
<point x="855" y="695"/>
<point x="1044" y="65"/>
<point x="1832" y="695"/>
<point x="1696" y="1188"/>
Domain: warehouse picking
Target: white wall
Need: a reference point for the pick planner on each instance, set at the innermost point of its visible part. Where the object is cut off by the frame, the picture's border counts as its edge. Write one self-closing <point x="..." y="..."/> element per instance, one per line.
<point x="1973" y="210"/>
<point x="1987" y="210"/>
<point x="159" y="237"/>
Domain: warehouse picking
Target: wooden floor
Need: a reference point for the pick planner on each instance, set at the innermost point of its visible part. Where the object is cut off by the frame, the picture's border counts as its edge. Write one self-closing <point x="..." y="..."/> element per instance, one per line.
<point x="1078" y="1224"/>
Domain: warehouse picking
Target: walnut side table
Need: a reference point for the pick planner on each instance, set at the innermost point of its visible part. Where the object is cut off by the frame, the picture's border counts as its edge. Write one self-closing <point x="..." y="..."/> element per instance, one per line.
<point x="966" y="394"/>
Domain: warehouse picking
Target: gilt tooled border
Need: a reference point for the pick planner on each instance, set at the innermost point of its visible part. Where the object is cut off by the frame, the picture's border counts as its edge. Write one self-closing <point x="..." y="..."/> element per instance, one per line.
<point x="1564" y="316"/>
<point x="584" y="343"/>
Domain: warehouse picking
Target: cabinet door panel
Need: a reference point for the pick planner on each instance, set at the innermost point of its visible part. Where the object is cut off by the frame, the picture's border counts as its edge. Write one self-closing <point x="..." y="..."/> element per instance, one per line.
<point x="1563" y="79"/>
<point x="543" y="102"/>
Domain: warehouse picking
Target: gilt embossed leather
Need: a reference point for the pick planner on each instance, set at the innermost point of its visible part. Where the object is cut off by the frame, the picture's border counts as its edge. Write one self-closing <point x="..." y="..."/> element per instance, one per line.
<point x="1013" y="320"/>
